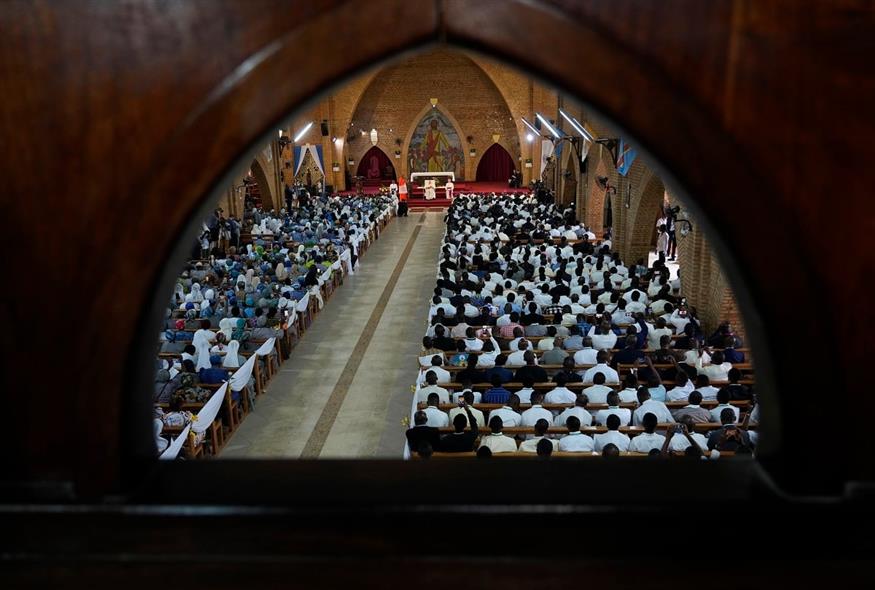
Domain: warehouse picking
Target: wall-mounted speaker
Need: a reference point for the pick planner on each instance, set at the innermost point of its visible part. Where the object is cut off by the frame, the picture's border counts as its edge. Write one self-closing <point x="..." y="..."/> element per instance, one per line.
<point x="324" y="126"/>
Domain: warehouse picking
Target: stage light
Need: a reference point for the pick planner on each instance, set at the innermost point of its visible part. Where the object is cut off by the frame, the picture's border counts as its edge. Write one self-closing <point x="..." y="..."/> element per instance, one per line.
<point x="303" y="131"/>
<point x="577" y="126"/>
<point x="546" y="124"/>
<point x="281" y="133"/>
<point x="530" y="126"/>
<point x="530" y="138"/>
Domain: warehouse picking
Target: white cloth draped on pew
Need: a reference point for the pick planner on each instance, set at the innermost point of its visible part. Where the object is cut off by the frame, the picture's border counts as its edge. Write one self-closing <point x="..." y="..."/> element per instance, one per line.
<point x="266" y="348"/>
<point x="173" y="450"/>
<point x="318" y="295"/>
<point x="346" y="259"/>
<point x="326" y="276"/>
<point x="241" y="376"/>
<point x="303" y="303"/>
<point x="208" y="413"/>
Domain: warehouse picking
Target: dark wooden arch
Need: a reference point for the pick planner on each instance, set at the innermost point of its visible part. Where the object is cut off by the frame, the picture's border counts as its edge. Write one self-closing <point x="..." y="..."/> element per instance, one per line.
<point x="145" y="83"/>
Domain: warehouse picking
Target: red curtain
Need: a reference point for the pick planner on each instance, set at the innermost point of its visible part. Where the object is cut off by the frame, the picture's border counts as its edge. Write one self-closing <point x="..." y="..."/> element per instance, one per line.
<point x="495" y="165"/>
<point x="375" y="164"/>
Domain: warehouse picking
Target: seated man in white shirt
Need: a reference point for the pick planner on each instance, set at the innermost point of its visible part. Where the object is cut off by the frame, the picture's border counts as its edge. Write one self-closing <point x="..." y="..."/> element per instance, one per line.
<point x="718" y="370"/>
<point x="614" y="409"/>
<point x="470" y="399"/>
<point x="531" y="445"/>
<point x="537" y="412"/>
<point x="528" y="390"/>
<point x="629" y="393"/>
<point x="647" y="440"/>
<point x="509" y="412"/>
<point x="549" y="342"/>
<point x="601" y="366"/>
<point x="560" y="394"/>
<point x="612" y="436"/>
<point x="496" y="441"/>
<point x="598" y="392"/>
<point x="723" y="397"/>
<point x="442" y="375"/>
<point x="587" y="355"/>
<point x="649" y="405"/>
<point x="703" y="386"/>
<point x="579" y="411"/>
<point x="634" y="304"/>
<point x="436" y="417"/>
<point x="472" y="343"/>
<point x="431" y="387"/>
<point x="682" y="437"/>
<point x="604" y="338"/>
<point x="575" y="441"/>
<point x="517" y="357"/>
<point x="682" y="389"/>
<point x="654" y="335"/>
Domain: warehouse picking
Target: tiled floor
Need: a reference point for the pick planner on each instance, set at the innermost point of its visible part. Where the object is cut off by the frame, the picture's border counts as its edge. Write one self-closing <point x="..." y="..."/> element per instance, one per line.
<point x="377" y="399"/>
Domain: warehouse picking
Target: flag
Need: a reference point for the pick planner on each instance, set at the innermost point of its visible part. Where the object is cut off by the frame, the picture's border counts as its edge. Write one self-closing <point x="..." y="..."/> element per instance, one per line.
<point x="625" y="157"/>
<point x="546" y="151"/>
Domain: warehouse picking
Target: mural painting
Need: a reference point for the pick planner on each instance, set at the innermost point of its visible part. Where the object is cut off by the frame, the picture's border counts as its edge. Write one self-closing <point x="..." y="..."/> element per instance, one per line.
<point x="435" y="146"/>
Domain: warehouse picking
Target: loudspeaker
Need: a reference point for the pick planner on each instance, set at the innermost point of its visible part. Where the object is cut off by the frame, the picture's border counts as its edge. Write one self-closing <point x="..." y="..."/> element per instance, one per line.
<point x="324" y="126"/>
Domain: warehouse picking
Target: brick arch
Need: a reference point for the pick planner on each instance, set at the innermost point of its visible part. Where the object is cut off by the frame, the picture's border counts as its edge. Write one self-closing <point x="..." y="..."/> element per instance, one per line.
<point x="643" y="215"/>
<point x="265" y="187"/>
<point x="389" y="98"/>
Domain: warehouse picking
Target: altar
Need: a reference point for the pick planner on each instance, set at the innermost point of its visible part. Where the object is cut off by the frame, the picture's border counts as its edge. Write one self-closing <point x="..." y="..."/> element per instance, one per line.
<point x="425" y="183"/>
<point x="432" y="176"/>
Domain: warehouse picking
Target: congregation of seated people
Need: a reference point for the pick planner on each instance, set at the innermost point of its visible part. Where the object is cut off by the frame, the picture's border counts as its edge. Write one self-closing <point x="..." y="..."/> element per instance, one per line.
<point x="529" y="309"/>
<point x="230" y="301"/>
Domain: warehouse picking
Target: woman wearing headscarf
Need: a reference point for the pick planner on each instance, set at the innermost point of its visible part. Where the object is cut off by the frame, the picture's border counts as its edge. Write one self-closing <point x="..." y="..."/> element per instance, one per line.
<point x="196" y="295"/>
<point x="232" y="357"/>
<point x="281" y="272"/>
<point x="178" y="294"/>
<point x="201" y="341"/>
<point x="239" y="332"/>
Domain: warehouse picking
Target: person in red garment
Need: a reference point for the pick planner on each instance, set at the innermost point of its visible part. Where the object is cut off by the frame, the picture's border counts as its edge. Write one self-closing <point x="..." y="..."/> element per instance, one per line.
<point x="402" y="197"/>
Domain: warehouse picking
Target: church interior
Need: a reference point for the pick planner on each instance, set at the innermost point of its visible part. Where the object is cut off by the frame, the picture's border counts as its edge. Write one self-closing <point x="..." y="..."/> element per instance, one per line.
<point x="542" y="267"/>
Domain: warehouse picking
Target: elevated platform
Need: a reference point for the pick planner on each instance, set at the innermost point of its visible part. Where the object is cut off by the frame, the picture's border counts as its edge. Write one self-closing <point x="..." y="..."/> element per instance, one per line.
<point x="418" y="200"/>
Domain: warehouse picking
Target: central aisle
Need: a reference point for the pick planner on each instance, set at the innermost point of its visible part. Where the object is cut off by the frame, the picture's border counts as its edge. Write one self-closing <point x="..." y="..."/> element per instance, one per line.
<point x="346" y="387"/>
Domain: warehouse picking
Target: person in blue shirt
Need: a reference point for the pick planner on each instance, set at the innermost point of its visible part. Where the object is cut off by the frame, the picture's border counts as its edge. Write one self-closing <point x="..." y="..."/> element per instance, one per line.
<point x="628" y="355"/>
<point x="215" y="374"/>
<point x="496" y="394"/>
<point x="730" y="355"/>
<point x="499" y="370"/>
